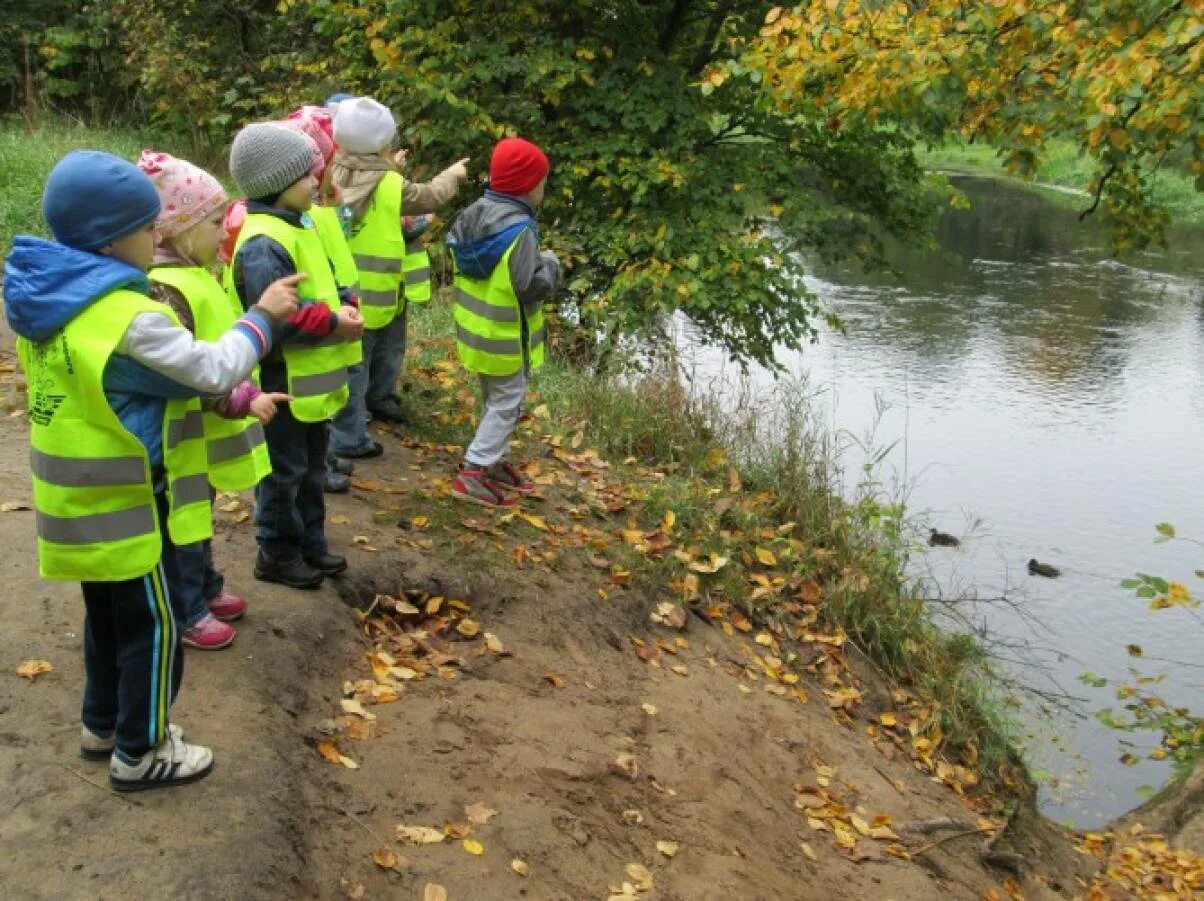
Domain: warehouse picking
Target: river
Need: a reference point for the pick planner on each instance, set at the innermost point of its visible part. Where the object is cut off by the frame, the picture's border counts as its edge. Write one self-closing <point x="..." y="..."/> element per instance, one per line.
<point x="1040" y="400"/>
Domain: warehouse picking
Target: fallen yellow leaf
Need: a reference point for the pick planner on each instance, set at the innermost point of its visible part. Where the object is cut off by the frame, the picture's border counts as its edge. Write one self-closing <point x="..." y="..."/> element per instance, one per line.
<point x="478" y="813"/>
<point x="467" y="627"/>
<point x="420" y="835"/>
<point x="494" y="643"/>
<point x="434" y="892"/>
<point x="712" y="564"/>
<point x="766" y="557"/>
<point x="384" y="858"/>
<point x="420" y="522"/>
<point x="536" y="521"/>
<point x="472" y="846"/>
<point x="810" y="854"/>
<point x="641" y="878"/>
<point x="520" y="867"/>
<point x="669" y="849"/>
<point x="649" y="709"/>
<point x="31" y="669"/>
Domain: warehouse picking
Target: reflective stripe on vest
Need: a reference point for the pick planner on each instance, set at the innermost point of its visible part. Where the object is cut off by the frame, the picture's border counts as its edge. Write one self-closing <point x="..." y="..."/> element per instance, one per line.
<point x="378" y="247"/>
<point x="92" y="489"/>
<point x="98" y="528"/>
<point x="417" y="269"/>
<point x="213" y="314"/>
<point x="317" y="375"/>
<point x="493" y="334"/>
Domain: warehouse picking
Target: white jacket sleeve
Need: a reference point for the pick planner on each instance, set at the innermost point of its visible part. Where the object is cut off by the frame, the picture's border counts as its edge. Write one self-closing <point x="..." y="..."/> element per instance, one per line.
<point x="169" y="349"/>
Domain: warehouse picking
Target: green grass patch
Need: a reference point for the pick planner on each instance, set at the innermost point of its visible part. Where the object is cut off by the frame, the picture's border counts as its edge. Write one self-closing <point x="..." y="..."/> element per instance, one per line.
<point x="1064" y="167"/>
<point x="26" y="158"/>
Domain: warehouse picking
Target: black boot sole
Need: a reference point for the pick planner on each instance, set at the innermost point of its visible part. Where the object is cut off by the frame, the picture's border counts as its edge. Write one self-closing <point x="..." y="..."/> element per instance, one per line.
<point x="329" y="570"/>
<point x="300" y="584"/>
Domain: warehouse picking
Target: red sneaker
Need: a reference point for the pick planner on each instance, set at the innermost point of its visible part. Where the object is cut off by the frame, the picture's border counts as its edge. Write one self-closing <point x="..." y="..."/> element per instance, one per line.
<point x="473" y="484"/>
<point x="227" y="607"/>
<point x="509" y="477"/>
<point x="207" y="634"/>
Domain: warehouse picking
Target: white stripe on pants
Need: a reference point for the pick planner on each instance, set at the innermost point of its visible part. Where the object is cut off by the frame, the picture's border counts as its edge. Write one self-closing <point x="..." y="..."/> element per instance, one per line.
<point x="503" y="396"/>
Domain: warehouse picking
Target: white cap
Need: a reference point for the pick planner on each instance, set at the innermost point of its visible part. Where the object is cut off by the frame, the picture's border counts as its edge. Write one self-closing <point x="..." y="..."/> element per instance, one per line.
<point x="361" y="125"/>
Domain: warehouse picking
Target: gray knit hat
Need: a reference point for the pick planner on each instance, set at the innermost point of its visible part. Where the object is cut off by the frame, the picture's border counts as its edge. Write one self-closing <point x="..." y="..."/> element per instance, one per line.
<point x="267" y="159"/>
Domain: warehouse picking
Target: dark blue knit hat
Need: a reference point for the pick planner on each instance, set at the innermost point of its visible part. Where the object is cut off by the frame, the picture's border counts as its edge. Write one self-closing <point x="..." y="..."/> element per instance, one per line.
<point x="93" y="198"/>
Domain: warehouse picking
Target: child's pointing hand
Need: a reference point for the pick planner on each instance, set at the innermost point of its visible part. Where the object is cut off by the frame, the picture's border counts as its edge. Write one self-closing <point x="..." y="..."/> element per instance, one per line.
<point x="280" y="298"/>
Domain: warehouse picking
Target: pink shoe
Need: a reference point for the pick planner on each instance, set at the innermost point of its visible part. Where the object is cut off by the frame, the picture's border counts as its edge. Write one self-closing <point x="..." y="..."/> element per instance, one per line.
<point x="208" y="634"/>
<point x="227" y="607"/>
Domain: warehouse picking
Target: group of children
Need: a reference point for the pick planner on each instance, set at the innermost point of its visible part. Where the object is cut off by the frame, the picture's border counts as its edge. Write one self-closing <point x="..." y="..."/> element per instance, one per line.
<point x="154" y="382"/>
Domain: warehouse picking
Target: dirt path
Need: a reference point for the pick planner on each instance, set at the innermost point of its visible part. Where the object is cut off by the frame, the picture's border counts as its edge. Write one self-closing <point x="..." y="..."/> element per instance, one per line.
<point x="507" y="694"/>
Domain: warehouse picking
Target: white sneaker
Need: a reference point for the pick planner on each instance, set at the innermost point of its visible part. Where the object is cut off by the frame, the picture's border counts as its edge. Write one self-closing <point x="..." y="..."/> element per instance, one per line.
<point x="172" y="763"/>
<point x="99" y="747"/>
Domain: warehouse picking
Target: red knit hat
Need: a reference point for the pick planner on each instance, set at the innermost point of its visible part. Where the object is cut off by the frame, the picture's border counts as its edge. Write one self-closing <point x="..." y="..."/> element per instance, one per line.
<point x="516" y="166"/>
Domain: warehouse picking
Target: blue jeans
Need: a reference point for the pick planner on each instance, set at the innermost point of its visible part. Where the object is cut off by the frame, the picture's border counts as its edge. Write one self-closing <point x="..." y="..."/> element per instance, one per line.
<point x="372" y="382"/>
<point x="290" y="509"/>
<point x="199" y="583"/>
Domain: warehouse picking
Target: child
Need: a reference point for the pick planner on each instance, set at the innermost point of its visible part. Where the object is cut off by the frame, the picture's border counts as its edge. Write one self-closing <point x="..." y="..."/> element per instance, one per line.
<point x="273" y="166"/>
<point x="367" y="175"/>
<point x="189" y="229"/>
<point x="113" y="381"/>
<point x="332" y="220"/>
<point x="502" y="279"/>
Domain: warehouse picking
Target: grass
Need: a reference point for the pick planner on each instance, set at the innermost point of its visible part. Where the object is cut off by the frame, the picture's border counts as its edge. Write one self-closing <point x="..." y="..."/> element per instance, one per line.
<point x="1064" y="167"/>
<point x="28" y="153"/>
<point x="26" y="158"/>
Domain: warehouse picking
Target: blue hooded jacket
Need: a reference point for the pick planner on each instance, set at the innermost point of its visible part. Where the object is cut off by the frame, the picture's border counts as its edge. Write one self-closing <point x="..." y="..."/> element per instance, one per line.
<point x="46" y="285"/>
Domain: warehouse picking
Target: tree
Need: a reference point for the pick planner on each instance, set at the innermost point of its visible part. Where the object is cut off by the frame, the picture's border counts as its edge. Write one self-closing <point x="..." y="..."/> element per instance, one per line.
<point x="665" y="194"/>
<point x="1120" y="78"/>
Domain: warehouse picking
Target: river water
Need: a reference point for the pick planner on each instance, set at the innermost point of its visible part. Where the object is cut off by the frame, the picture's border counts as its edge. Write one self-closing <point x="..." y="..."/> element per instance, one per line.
<point x="1040" y="400"/>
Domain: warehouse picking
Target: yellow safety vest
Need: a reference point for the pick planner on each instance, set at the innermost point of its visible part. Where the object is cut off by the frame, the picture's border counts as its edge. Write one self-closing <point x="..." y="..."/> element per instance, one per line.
<point x="416" y="269"/>
<point x="235" y="448"/>
<point x="378" y="247"/>
<point x="317" y="373"/>
<point x="92" y="487"/>
<point x="493" y="334"/>
<point x="334" y="242"/>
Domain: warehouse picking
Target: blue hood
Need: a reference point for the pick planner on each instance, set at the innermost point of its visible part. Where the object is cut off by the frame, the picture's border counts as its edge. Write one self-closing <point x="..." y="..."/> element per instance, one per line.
<point x="478" y="257"/>
<point x="46" y="284"/>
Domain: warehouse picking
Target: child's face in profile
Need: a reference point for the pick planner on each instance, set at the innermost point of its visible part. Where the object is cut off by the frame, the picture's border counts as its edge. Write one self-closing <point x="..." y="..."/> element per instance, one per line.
<point x="535" y="195"/>
<point x="137" y="248"/>
<point x="299" y="196"/>
<point x="200" y="243"/>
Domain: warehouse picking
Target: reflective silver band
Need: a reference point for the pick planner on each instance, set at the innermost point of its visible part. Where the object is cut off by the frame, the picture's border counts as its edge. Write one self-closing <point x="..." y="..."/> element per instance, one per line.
<point x="378" y="298"/>
<point x="189" y="490"/>
<point x="96" y="527"/>
<point x="538" y="336"/>
<point x="223" y="450"/>
<point x="367" y="263"/>
<point x="507" y="348"/>
<point x="87" y="472"/>
<point x="485" y="310"/>
<point x="192" y="426"/>
<point x="321" y="383"/>
<point x="417" y="276"/>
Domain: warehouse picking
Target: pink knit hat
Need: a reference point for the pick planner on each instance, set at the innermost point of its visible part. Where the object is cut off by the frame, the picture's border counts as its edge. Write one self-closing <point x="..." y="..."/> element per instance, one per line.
<point x="318" y="124"/>
<point x="188" y="193"/>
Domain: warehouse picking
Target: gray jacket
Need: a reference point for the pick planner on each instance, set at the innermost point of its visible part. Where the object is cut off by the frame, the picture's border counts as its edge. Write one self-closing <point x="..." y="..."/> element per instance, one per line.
<point x="535" y="274"/>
